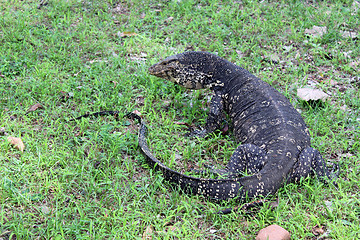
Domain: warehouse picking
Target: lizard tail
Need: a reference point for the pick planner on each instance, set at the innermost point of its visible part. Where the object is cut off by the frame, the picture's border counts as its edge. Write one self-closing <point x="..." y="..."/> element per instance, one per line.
<point x="215" y="189"/>
<point x="102" y="113"/>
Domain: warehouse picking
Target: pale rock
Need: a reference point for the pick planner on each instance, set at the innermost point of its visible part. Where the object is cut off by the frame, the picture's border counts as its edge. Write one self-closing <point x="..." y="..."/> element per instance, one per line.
<point x="273" y="232"/>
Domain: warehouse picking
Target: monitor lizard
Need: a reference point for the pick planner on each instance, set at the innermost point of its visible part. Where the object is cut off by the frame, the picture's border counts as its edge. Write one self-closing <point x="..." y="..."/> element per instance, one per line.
<point x="275" y="142"/>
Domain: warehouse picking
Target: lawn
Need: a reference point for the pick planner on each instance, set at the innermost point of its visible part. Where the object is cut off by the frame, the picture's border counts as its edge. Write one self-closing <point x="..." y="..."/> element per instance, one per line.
<point x="86" y="179"/>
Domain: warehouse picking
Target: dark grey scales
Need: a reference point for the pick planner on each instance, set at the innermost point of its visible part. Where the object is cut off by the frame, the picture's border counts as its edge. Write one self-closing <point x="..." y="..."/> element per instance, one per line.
<point x="275" y="141"/>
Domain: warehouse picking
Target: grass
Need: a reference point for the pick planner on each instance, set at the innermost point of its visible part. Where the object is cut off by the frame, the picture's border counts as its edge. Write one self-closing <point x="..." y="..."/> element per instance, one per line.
<point x="87" y="180"/>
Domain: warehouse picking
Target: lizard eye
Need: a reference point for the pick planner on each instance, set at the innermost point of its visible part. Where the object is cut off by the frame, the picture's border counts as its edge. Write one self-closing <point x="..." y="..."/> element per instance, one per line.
<point x="169" y="61"/>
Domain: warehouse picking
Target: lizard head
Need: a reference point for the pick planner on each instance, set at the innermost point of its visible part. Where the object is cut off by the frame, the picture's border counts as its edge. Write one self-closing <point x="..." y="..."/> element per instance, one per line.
<point x="193" y="70"/>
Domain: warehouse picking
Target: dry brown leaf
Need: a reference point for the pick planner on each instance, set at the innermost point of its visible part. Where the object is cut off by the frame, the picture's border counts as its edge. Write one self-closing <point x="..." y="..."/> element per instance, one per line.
<point x="137" y="112"/>
<point x="173" y="228"/>
<point x="182" y="123"/>
<point x="66" y="95"/>
<point x="274" y="204"/>
<point x="316" y="31"/>
<point x="307" y="94"/>
<point x="169" y="228"/>
<point x="115" y="83"/>
<point x="318" y="230"/>
<point x="17" y="143"/>
<point x="34" y="107"/>
<point x="80" y="133"/>
<point x="169" y="19"/>
<point x="126" y="34"/>
<point x="147" y="235"/>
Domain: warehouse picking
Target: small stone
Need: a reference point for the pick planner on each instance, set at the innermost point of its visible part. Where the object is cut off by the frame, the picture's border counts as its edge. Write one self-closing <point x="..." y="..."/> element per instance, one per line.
<point x="273" y="232"/>
<point x="316" y="31"/>
<point x="307" y="94"/>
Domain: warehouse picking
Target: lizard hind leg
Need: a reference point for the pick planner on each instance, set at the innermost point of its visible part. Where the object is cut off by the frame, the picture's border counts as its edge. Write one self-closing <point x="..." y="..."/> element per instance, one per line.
<point x="310" y="163"/>
<point x="247" y="157"/>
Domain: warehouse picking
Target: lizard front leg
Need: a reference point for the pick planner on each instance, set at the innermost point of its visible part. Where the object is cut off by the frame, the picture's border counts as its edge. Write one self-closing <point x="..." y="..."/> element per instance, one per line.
<point x="214" y="119"/>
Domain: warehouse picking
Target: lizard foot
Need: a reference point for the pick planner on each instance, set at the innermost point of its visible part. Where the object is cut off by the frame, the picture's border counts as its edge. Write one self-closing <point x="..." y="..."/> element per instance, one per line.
<point x="197" y="133"/>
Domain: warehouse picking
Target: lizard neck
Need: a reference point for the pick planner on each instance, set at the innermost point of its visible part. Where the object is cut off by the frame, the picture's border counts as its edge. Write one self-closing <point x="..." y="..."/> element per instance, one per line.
<point x="224" y="72"/>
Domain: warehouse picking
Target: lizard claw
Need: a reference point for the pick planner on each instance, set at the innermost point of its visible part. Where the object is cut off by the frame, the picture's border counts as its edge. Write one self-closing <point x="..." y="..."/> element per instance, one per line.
<point x="335" y="172"/>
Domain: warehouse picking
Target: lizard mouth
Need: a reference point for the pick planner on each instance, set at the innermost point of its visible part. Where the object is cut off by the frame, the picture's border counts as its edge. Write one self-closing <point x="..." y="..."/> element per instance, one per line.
<point x="158" y="71"/>
<point x="154" y="71"/>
